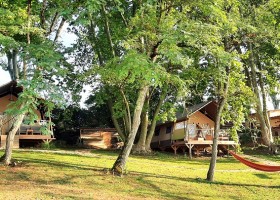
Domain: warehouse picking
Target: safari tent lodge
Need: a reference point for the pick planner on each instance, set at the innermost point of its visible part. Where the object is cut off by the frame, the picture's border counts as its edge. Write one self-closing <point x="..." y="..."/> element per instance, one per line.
<point x="99" y="138"/>
<point x="274" y="117"/>
<point x="27" y="133"/>
<point x="192" y="130"/>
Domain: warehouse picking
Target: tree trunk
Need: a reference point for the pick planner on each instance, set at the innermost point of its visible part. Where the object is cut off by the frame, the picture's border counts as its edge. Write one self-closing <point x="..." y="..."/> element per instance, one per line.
<point x="15" y="66"/>
<point x="127" y="117"/>
<point x="264" y="108"/>
<point x="120" y="163"/>
<point x="115" y="121"/>
<point x="28" y="20"/>
<point x="222" y="101"/>
<point x="10" y="139"/>
<point x="140" y="146"/>
<point x="212" y="166"/>
<point x="266" y="117"/>
<point x="154" y="120"/>
<point x="265" y="128"/>
<point x="2" y="117"/>
<point x="144" y="143"/>
<point x="10" y="64"/>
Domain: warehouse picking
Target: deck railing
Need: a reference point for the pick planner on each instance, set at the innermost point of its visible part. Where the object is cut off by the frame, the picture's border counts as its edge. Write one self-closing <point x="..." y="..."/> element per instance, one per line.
<point x="32" y="129"/>
<point x="207" y="134"/>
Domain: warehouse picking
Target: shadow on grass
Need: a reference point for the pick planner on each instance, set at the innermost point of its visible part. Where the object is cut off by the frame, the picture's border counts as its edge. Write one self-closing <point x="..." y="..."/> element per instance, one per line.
<point x="263" y="176"/>
<point x="198" y="180"/>
<point x="79" y="166"/>
<point x="58" y="196"/>
<point x="164" y="193"/>
<point x="106" y="152"/>
<point x="156" y="156"/>
<point x="141" y="177"/>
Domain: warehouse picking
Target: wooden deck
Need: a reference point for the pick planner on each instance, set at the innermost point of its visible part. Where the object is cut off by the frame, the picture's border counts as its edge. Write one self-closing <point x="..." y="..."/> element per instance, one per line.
<point x="19" y="138"/>
<point x="198" y="145"/>
<point x="36" y="137"/>
<point x="98" y="138"/>
<point x="205" y="142"/>
<point x="33" y="132"/>
<point x="210" y="142"/>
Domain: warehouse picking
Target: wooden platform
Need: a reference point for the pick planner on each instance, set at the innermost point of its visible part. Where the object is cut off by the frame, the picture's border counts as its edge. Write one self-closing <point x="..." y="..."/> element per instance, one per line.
<point x="210" y="142"/>
<point x="204" y="142"/>
<point x="36" y="137"/>
<point x="98" y="138"/>
<point x="18" y="138"/>
<point x="199" y="145"/>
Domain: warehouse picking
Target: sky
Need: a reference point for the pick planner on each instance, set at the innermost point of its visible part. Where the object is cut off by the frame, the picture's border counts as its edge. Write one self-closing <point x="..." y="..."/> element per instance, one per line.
<point x="4" y="76"/>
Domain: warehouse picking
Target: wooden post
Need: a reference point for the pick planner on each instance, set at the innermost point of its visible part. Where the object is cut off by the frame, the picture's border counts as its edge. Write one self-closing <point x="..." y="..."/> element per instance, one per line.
<point x="80" y="138"/>
<point x="172" y="130"/>
<point x="190" y="146"/>
<point x="227" y="150"/>
<point x="174" y="147"/>
<point x="185" y="130"/>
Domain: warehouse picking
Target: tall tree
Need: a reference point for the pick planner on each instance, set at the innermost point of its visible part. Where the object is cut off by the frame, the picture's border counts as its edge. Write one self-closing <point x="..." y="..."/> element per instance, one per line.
<point x="258" y="38"/>
<point x="32" y="57"/>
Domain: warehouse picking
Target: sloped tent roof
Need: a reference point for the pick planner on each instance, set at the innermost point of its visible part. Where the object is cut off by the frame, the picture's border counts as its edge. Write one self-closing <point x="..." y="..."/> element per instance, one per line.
<point x="208" y="108"/>
<point x="10" y="88"/>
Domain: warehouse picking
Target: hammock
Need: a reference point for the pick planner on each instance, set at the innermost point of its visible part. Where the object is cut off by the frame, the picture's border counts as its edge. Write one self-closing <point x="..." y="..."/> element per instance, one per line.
<point x="267" y="168"/>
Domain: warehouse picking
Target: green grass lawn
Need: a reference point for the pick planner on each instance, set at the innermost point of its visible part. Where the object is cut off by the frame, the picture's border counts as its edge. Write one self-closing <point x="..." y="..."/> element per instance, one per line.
<point x="161" y="176"/>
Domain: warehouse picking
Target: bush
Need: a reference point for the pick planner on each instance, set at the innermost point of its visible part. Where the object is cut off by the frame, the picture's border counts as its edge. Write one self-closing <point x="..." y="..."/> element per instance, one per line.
<point x="245" y="138"/>
<point x="277" y="140"/>
<point x="47" y="145"/>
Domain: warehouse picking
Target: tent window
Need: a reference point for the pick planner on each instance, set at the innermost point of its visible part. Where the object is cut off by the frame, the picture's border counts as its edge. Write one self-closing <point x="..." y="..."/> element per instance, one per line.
<point x="168" y="129"/>
<point x="157" y="131"/>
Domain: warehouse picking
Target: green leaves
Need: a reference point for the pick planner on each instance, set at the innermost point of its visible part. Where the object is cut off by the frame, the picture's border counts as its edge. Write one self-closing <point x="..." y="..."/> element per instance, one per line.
<point x="133" y="68"/>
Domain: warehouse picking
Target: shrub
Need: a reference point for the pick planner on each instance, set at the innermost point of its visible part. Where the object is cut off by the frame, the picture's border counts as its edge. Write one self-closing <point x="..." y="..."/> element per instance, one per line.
<point x="48" y="145"/>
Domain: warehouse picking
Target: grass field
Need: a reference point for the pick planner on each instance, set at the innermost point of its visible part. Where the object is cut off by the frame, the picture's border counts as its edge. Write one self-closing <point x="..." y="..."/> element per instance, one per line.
<point x="162" y="176"/>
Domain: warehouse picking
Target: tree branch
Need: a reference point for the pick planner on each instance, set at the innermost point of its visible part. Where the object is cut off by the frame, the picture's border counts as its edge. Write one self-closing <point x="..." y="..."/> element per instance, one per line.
<point x="94" y="40"/>
<point x="42" y="14"/>
<point x="107" y="30"/>
<point x="63" y="20"/>
<point x="115" y="121"/>
<point x="53" y="23"/>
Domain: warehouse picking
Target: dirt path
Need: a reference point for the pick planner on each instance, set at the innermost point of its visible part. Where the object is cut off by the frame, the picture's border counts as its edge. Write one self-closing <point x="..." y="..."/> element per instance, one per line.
<point x="80" y="152"/>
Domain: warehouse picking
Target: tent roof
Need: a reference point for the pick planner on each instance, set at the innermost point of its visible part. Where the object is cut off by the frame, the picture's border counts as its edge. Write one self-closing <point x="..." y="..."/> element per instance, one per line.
<point x="10" y="88"/>
<point x="207" y="108"/>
